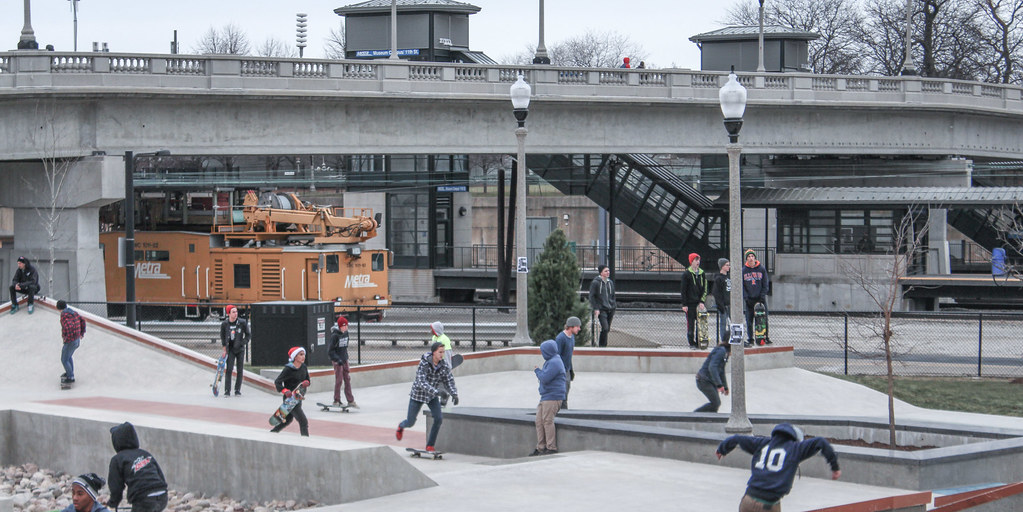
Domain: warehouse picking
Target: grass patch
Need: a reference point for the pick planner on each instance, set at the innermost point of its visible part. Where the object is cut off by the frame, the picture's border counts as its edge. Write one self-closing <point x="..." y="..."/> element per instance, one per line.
<point x="987" y="396"/>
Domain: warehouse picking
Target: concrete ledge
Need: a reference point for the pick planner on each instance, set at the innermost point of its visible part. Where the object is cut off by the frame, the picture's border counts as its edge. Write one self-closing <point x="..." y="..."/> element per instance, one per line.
<point x="294" y="468"/>
<point x="992" y="455"/>
<point x="584" y="359"/>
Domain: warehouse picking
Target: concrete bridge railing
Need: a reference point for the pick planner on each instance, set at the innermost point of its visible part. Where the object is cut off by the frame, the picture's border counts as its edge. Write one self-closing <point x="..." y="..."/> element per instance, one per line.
<point x="21" y="70"/>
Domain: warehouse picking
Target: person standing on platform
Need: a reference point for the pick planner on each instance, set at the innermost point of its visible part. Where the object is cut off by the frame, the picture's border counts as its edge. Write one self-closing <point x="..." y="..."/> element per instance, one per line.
<point x="234" y="336"/>
<point x="721" y="289"/>
<point x="553" y="385"/>
<point x="602" y="301"/>
<point x="566" y="345"/>
<point x="755" y="284"/>
<point x="338" y="353"/>
<point x="694" y="294"/>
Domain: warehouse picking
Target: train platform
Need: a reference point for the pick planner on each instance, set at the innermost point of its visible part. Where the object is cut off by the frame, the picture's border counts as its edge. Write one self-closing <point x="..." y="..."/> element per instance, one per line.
<point x="119" y="379"/>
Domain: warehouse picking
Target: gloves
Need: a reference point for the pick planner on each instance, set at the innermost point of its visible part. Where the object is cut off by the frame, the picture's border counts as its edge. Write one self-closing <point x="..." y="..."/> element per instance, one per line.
<point x="571" y="375"/>
<point x="286" y="392"/>
<point x="454" y="399"/>
<point x="305" y="384"/>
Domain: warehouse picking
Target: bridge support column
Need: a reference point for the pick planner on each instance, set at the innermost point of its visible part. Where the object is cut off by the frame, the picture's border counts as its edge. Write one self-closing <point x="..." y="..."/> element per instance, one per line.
<point x="56" y="221"/>
<point x="937" y="241"/>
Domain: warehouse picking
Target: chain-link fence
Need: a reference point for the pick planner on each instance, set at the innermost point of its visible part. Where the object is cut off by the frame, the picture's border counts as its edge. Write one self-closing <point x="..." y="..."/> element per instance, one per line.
<point x="935" y="344"/>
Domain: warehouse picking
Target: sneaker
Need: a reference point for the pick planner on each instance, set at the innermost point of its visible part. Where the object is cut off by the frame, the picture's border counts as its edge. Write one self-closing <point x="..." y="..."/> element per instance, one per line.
<point x="537" y="452"/>
<point x="353" y="405"/>
<point x="63" y="375"/>
<point x="399" y="433"/>
<point x="14" y="309"/>
<point x="237" y="392"/>
<point x="71" y="380"/>
<point x="31" y="308"/>
<point x="430" y="448"/>
<point x="550" y="452"/>
<point x="227" y="394"/>
<point x="337" y="403"/>
<point x="769" y="342"/>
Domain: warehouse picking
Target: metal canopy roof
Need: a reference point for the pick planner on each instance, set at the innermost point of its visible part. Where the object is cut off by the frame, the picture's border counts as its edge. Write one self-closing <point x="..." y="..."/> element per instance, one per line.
<point x="832" y="197"/>
<point x="384" y="6"/>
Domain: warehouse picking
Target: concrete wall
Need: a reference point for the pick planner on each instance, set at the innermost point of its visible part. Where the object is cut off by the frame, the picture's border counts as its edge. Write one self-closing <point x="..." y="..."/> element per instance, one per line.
<point x="250" y="469"/>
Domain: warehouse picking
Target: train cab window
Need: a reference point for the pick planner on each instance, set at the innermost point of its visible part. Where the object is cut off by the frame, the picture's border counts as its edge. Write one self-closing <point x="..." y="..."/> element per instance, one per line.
<point x="242" y="276"/>
<point x="332" y="264"/>
<point x="191" y="247"/>
<point x="378" y="262"/>
<point x="152" y="255"/>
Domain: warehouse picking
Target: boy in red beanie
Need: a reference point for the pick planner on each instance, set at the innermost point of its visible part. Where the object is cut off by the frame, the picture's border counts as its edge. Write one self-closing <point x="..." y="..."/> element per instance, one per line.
<point x="694" y="293"/>
<point x="338" y="354"/>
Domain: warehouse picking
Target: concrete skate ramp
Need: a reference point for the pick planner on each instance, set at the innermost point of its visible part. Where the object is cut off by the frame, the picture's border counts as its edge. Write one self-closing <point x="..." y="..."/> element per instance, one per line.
<point x="261" y="466"/>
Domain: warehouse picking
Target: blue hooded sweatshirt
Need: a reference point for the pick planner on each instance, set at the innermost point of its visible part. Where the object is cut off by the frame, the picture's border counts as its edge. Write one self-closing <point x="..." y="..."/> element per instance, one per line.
<point x="776" y="459"/>
<point x="552" y="375"/>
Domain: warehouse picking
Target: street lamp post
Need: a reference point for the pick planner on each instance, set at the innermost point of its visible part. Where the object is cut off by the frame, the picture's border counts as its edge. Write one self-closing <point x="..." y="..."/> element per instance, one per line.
<point x="541" y="56"/>
<point x="394" y="30"/>
<point x="760" y="41"/>
<point x="28" y="36"/>
<point x="129" y="234"/>
<point x="732" y="97"/>
<point x="907" y="63"/>
<point x="520" y="92"/>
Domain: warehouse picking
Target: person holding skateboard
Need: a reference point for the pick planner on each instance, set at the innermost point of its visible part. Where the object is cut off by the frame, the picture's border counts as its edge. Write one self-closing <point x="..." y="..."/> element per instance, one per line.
<point x="338" y="353"/>
<point x="721" y="289"/>
<point x="293" y="376"/>
<point x="72" y="330"/>
<point x="137" y="469"/>
<point x="694" y="294"/>
<point x="234" y="335"/>
<point x="433" y="372"/>
<point x="710" y="380"/>
<point x="566" y="345"/>
<point x="755" y="284"/>
<point x="85" y="494"/>
<point x="553" y="389"/>
<point x="775" y="462"/>
<point x="25" y="282"/>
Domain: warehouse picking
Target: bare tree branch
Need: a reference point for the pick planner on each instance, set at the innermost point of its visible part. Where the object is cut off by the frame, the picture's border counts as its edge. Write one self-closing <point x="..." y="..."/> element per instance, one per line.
<point x="335" y="43"/>
<point x="229" y="40"/>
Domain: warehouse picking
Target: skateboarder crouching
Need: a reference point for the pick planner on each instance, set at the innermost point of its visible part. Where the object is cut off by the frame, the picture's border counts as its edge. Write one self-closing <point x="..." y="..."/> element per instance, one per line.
<point x="710" y="380"/>
<point x="137" y="469"/>
<point x="85" y="494"/>
<point x="774" y="465"/>
<point x="292" y="376"/>
<point x="433" y="372"/>
<point x="553" y="382"/>
<point x="338" y="354"/>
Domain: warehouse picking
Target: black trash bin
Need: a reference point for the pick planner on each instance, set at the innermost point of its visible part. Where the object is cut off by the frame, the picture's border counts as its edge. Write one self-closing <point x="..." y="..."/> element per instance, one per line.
<point x="279" y="325"/>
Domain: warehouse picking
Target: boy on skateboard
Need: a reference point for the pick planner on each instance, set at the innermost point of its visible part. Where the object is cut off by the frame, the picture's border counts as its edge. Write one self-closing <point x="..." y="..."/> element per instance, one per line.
<point x="553" y="382"/>
<point x="338" y="353"/>
<point x="137" y="469"/>
<point x="694" y="294"/>
<point x="85" y="494"/>
<point x="774" y="464"/>
<point x="292" y="376"/>
<point x="710" y="380"/>
<point x="433" y="372"/>
<point x="72" y="329"/>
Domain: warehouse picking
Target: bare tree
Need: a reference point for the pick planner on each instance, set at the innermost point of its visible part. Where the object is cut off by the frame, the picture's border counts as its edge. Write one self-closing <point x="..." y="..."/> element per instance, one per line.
<point x="884" y="289"/>
<point x="592" y="49"/>
<point x="837" y="22"/>
<point x="883" y="36"/>
<point x="273" y="47"/>
<point x="335" y="43"/>
<point x="949" y="37"/>
<point x="229" y="40"/>
<point x="1002" y="34"/>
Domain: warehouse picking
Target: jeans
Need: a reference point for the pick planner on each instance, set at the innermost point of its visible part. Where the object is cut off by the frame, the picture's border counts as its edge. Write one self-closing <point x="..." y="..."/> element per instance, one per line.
<point x="707" y="388"/>
<point x="413" y="411"/>
<point x="690" y="312"/>
<point x="604" y="318"/>
<point x="65" y="358"/>
<point x="750" y="304"/>
<point x="231" y="359"/>
<point x="341" y="375"/>
<point x="27" y="290"/>
<point x="724" y="320"/>
<point x="150" y="504"/>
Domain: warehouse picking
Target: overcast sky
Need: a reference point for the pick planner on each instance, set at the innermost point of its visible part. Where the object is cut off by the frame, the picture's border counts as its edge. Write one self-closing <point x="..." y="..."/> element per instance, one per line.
<point x="501" y="28"/>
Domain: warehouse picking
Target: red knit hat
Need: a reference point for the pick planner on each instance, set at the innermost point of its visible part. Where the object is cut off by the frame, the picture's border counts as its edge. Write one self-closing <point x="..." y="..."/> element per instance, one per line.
<point x="294" y="352"/>
<point x="342" y="321"/>
<point x="693" y="256"/>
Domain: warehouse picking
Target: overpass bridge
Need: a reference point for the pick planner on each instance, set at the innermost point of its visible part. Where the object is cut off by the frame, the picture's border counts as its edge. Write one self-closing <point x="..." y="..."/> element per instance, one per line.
<point x="86" y="105"/>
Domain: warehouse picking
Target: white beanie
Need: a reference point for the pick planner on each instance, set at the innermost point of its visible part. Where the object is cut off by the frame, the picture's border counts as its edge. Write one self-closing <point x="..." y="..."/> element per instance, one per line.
<point x="438" y="328"/>
<point x="294" y="352"/>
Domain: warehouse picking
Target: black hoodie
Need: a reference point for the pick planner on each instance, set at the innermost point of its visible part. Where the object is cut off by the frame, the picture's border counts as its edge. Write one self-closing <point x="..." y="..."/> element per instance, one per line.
<point x="26" y="277"/>
<point x="132" y="466"/>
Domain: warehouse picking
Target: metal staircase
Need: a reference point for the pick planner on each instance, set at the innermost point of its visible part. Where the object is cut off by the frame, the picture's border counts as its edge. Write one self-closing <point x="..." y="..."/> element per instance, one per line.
<point x="648" y="198"/>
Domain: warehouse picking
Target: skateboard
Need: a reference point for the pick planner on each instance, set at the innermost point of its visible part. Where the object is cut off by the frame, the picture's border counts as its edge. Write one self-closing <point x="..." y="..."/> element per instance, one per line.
<point x="702" y="329"/>
<point x="456" y="361"/>
<point x="331" y="407"/>
<point x="221" y="365"/>
<point x="285" y="408"/>
<point x="419" y="453"/>
<point x="760" y="324"/>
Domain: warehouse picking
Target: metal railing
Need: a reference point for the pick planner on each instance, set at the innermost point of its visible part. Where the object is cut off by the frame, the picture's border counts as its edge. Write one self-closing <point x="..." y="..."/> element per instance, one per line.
<point x="982" y="344"/>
